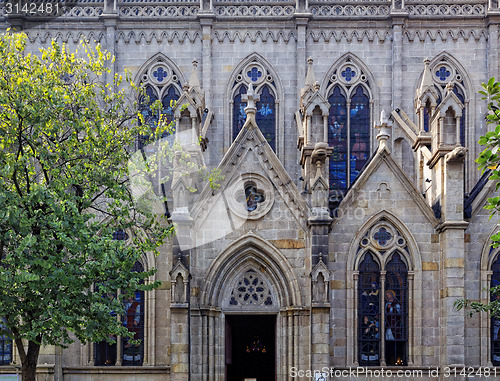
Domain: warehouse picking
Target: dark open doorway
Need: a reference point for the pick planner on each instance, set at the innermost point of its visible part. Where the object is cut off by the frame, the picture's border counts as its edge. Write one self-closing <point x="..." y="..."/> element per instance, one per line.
<point x="251" y="347"/>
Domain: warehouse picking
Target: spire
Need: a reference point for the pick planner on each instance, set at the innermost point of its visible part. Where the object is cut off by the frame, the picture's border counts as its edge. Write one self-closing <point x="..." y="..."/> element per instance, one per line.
<point x="194" y="81"/>
<point x="310" y="79"/>
<point x="427" y="81"/>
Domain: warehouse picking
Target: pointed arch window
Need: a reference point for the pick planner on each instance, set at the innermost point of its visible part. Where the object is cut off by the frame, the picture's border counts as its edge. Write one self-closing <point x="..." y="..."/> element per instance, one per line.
<point x="383" y="294"/>
<point x="396" y="311"/>
<point x="129" y="353"/>
<point x="5" y="346"/>
<point x="495" y="322"/>
<point x="160" y="82"/>
<point x="349" y="124"/>
<point x="266" y="116"/>
<point x="151" y="117"/>
<point x="369" y="312"/>
<point x="133" y="319"/>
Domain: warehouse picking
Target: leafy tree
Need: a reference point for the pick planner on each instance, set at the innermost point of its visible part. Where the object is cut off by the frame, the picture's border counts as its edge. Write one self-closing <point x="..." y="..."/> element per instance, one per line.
<point x="66" y="136"/>
<point x="489" y="160"/>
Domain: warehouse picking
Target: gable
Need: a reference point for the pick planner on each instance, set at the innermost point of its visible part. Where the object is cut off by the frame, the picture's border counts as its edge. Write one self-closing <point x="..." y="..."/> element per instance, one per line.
<point x="384" y="185"/>
<point x="249" y="160"/>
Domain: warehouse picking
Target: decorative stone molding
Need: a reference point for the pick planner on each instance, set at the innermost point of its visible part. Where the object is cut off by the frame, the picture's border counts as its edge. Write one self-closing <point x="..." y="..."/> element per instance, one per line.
<point x="320" y="279"/>
<point x="242" y="36"/>
<point x="251" y="290"/>
<point x="254" y="11"/>
<point x="65" y="37"/>
<point x="158" y="11"/>
<point x="243" y="201"/>
<point x="323" y="11"/>
<point x="160" y="37"/>
<point x="382" y="236"/>
<point x="180" y="281"/>
<point x="372" y="35"/>
<point x="441" y="10"/>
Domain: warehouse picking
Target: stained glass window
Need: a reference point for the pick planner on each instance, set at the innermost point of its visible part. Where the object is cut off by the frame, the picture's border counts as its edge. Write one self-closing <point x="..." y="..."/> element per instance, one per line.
<point x="170" y="96"/>
<point x="382" y="236"/>
<point x="495" y="322"/>
<point x="360" y="131"/>
<point x="239" y="115"/>
<point x="396" y="311"/>
<point x="348" y="135"/>
<point x="253" y="197"/>
<point x="369" y="312"/>
<point x="133" y="319"/>
<point x="265" y="117"/>
<point x="337" y="138"/>
<point x="5" y="348"/>
<point x="383" y="308"/>
<point x="427" y="111"/>
<point x="151" y="117"/>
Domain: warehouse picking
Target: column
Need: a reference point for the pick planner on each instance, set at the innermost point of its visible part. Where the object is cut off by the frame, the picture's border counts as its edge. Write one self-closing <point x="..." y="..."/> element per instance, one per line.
<point x="206" y="20"/>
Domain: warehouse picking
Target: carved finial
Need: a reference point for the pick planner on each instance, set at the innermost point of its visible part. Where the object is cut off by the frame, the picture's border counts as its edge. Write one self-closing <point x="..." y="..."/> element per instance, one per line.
<point x="194" y="81"/>
<point x="310" y="79"/>
<point x="449" y="87"/>
<point x="320" y="256"/>
<point x="250" y="98"/>
<point x="383" y="118"/>
<point x="384" y="127"/>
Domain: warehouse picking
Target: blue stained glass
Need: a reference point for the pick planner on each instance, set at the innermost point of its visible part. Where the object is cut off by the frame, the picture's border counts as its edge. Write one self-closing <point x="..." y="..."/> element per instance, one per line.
<point x="369" y="312"/>
<point x="348" y="74"/>
<point x="460" y="94"/>
<point x="169" y="99"/>
<point x="5" y="347"/>
<point x="382" y="236"/>
<point x="396" y="311"/>
<point x="265" y="118"/>
<point x="495" y="322"/>
<point x="360" y="131"/>
<point x="253" y="197"/>
<point x="337" y="138"/>
<point x="150" y="117"/>
<point x="160" y="74"/>
<point x="239" y="115"/>
<point x="254" y="74"/>
<point x="426" y="118"/>
<point x="442" y="73"/>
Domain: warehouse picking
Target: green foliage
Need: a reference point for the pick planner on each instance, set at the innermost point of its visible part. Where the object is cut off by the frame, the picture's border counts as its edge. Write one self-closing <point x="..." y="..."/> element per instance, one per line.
<point x="493" y="308"/>
<point x="489" y="159"/>
<point x="66" y="135"/>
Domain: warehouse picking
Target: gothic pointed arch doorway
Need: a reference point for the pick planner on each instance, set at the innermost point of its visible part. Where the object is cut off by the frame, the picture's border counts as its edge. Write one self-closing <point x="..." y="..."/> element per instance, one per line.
<point x="250" y="302"/>
<point x="250" y="342"/>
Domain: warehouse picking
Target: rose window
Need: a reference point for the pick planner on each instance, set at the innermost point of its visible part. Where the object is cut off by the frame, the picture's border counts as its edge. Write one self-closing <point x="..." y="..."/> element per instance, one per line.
<point x="251" y="289"/>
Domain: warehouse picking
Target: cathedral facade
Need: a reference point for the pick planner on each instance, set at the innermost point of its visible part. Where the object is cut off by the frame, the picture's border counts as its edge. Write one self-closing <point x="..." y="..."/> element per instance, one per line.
<point x="349" y="216"/>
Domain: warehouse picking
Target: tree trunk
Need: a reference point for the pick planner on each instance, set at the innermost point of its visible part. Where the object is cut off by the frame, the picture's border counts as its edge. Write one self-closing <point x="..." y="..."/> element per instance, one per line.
<point x="29" y="371"/>
<point x="29" y="360"/>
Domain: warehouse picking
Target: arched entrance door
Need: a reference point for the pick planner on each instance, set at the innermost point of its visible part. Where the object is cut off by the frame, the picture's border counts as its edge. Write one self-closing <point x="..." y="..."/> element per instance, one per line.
<point x="251" y="298"/>
<point x="250" y="347"/>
